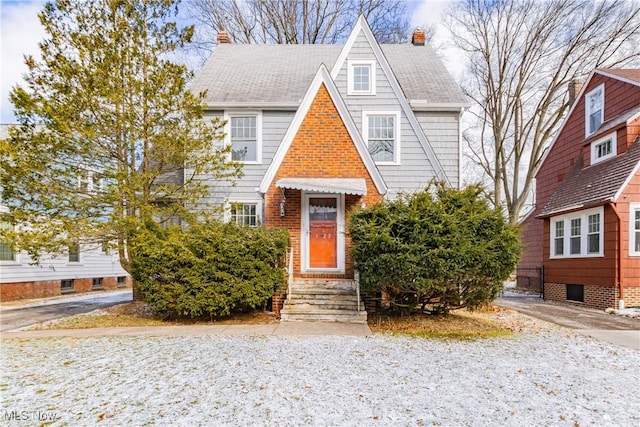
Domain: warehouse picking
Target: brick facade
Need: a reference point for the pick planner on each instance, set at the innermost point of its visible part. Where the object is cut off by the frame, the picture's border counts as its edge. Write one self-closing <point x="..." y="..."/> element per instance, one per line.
<point x="600" y="297"/>
<point x="51" y="288"/>
<point x="322" y="148"/>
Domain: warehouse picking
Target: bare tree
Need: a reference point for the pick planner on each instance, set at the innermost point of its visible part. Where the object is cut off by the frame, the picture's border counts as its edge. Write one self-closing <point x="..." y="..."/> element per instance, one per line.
<point x="296" y="21"/>
<point x="522" y="55"/>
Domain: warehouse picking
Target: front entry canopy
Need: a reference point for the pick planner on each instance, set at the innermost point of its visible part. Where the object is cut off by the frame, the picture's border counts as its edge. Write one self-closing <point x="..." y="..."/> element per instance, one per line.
<point x="356" y="186"/>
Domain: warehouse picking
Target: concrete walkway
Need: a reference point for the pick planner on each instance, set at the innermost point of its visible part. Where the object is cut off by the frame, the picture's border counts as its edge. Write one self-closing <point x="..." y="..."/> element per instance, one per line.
<point x="282" y="328"/>
<point x="618" y="330"/>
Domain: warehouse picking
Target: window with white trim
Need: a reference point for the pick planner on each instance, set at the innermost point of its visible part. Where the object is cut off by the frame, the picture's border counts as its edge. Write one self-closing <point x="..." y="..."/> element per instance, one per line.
<point x="603" y="148"/>
<point x="634" y="229"/>
<point x="584" y="230"/>
<point x="90" y="181"/>
<point x="74" y="252"/>
<point x="6" y="252"/>
<point x="361" y="76"/>
<point x="594" y="110"/>
<point x="576" y="234"/>
<point x="593" y="233"/>
<point x="382" y="134"/>
<point x="245" y="134"/>
<point x="559" y="238"/>
<point x="245" y="214"/>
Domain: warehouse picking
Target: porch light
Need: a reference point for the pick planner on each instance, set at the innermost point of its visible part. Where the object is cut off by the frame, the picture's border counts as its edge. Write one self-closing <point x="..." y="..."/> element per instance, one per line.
<point x="283" y="201"/>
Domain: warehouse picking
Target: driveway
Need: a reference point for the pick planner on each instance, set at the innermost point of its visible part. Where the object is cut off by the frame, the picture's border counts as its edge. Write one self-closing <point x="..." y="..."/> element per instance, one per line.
<point x="17" y="314"/>
<point x="619" y="330"/>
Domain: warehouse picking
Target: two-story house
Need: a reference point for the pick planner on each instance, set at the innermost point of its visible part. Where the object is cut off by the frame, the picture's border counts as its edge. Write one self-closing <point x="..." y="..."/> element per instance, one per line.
<point x="585" y="228"/>
<point x="324" y="129"/>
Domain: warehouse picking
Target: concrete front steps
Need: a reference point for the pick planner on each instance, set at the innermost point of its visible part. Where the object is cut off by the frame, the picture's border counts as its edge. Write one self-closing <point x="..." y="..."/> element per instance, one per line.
<point x="325" y="300"/>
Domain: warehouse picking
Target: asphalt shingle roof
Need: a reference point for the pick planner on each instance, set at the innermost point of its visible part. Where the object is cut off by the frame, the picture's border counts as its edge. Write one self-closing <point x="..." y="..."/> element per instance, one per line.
<point x="281" y="74"/>
<point x="595" y="184"/>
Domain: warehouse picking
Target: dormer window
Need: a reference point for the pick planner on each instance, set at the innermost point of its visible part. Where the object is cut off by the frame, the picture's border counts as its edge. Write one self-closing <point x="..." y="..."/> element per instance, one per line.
<point x="594" y="110"/>
<point x="603" y="148"/>
<point x="361" y="77"/>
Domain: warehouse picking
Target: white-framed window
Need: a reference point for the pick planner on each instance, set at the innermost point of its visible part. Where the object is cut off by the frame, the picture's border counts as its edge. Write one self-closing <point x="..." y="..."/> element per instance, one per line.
<point x="245" y="213"/>
<point x="578" y="234"/>
<point x="634" y="229"/>
<point x="381" y="130"/>
<point x="244" y="133"/>
<point x="361" y="77"/>
<point x="90" y="181"/>
<point x="6" y="252"/>
<point x="74" y="252"/>
<point x="604" y="148"/>
<point x="594" y="109"/>
<point x="558" y="245"/>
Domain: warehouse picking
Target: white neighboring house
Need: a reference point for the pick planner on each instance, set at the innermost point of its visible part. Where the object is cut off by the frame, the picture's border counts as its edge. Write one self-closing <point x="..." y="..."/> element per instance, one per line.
<point x="84" y="268"/>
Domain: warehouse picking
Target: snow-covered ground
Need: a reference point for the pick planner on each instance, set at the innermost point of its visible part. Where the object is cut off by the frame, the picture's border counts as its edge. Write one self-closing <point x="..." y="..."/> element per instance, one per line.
<point x="544" y="375"/>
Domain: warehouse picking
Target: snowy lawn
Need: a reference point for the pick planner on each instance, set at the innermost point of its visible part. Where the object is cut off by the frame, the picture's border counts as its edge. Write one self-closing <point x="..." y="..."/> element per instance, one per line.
<point x="548" y="376"/>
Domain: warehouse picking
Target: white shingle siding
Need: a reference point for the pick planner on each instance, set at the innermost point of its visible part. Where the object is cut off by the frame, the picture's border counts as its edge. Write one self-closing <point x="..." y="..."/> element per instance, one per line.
<point x="93" y="263"/>
<point x="274" y="78"/>
<point x="443" y="130"/>
<point x="274" y="126"/>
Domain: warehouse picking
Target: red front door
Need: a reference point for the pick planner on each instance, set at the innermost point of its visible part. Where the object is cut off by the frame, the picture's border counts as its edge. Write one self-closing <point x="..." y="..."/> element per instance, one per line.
<point x="323" y="227"/>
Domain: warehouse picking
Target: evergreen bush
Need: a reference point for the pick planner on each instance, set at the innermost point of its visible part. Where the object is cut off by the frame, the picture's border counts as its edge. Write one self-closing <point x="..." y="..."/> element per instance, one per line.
<point x="210" y="269"/>
<point x="435" y="250"/>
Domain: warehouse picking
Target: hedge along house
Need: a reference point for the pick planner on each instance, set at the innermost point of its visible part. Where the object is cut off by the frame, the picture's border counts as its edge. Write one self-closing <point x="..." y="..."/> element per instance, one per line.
<point x="322" y="130"/>
<point x="585" y="228"/>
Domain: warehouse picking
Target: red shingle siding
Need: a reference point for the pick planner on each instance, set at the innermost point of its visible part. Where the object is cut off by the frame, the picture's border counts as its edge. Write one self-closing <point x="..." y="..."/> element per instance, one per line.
<point x="601" y="270"/>
<point x="630" y="264"/>
<point x="322" y="148"/>
<point x="569" y="145"/>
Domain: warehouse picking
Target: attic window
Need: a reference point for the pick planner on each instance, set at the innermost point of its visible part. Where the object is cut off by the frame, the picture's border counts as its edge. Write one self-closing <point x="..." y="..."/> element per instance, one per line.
<point x="361" y="77"/>
<point x="594" y="110"/>
<point x="603" y="148"/>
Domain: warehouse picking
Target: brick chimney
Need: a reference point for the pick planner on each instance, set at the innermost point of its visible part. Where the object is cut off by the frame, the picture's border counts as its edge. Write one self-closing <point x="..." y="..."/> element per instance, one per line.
<point x="418" y="38"/>
<point x="575" y="85"/>
<point x="223" y="37"/>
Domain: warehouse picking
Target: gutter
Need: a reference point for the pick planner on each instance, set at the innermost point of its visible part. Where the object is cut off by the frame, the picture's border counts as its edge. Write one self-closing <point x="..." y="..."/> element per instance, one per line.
<point x="619" y="267"/>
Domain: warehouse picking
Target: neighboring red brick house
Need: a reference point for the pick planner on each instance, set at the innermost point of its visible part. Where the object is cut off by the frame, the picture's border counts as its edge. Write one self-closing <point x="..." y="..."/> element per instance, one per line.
<point x="322" y="130"/>
<point x="585" y="228"/>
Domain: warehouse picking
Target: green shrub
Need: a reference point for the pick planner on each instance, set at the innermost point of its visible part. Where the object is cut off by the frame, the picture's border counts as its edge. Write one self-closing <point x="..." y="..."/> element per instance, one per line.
<point x="209" y="269"/>
<point x="434" y="250"/>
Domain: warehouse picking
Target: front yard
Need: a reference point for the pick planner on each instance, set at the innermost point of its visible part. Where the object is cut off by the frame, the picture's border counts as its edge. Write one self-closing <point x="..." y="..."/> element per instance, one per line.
<point x="539" y="375"/>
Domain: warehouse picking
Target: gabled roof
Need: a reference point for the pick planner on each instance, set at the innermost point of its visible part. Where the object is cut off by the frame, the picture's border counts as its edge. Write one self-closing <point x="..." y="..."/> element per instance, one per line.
<point x="594" y="185"/>
<point x="278" y="76"/>
<point x="628" y="74"/>
<point x="322" y="77"/>
<point x="362" y="27"/>
<point x="622" y="74"/>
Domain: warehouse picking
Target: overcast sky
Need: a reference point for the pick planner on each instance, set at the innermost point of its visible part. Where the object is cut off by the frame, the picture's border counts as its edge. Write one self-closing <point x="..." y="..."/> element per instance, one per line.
<point x="20" y="32"/>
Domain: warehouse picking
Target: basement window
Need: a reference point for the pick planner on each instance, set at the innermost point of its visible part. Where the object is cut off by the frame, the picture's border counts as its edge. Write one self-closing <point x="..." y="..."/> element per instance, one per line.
<point x="575" y="293"/>
<point x="122" y="281"/>
<point x="66" y="286"/>
<point x="96" y="284"/>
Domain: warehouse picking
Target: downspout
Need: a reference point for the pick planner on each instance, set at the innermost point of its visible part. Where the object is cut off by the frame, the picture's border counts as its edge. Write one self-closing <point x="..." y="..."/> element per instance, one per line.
<point x="619" y="268"/>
